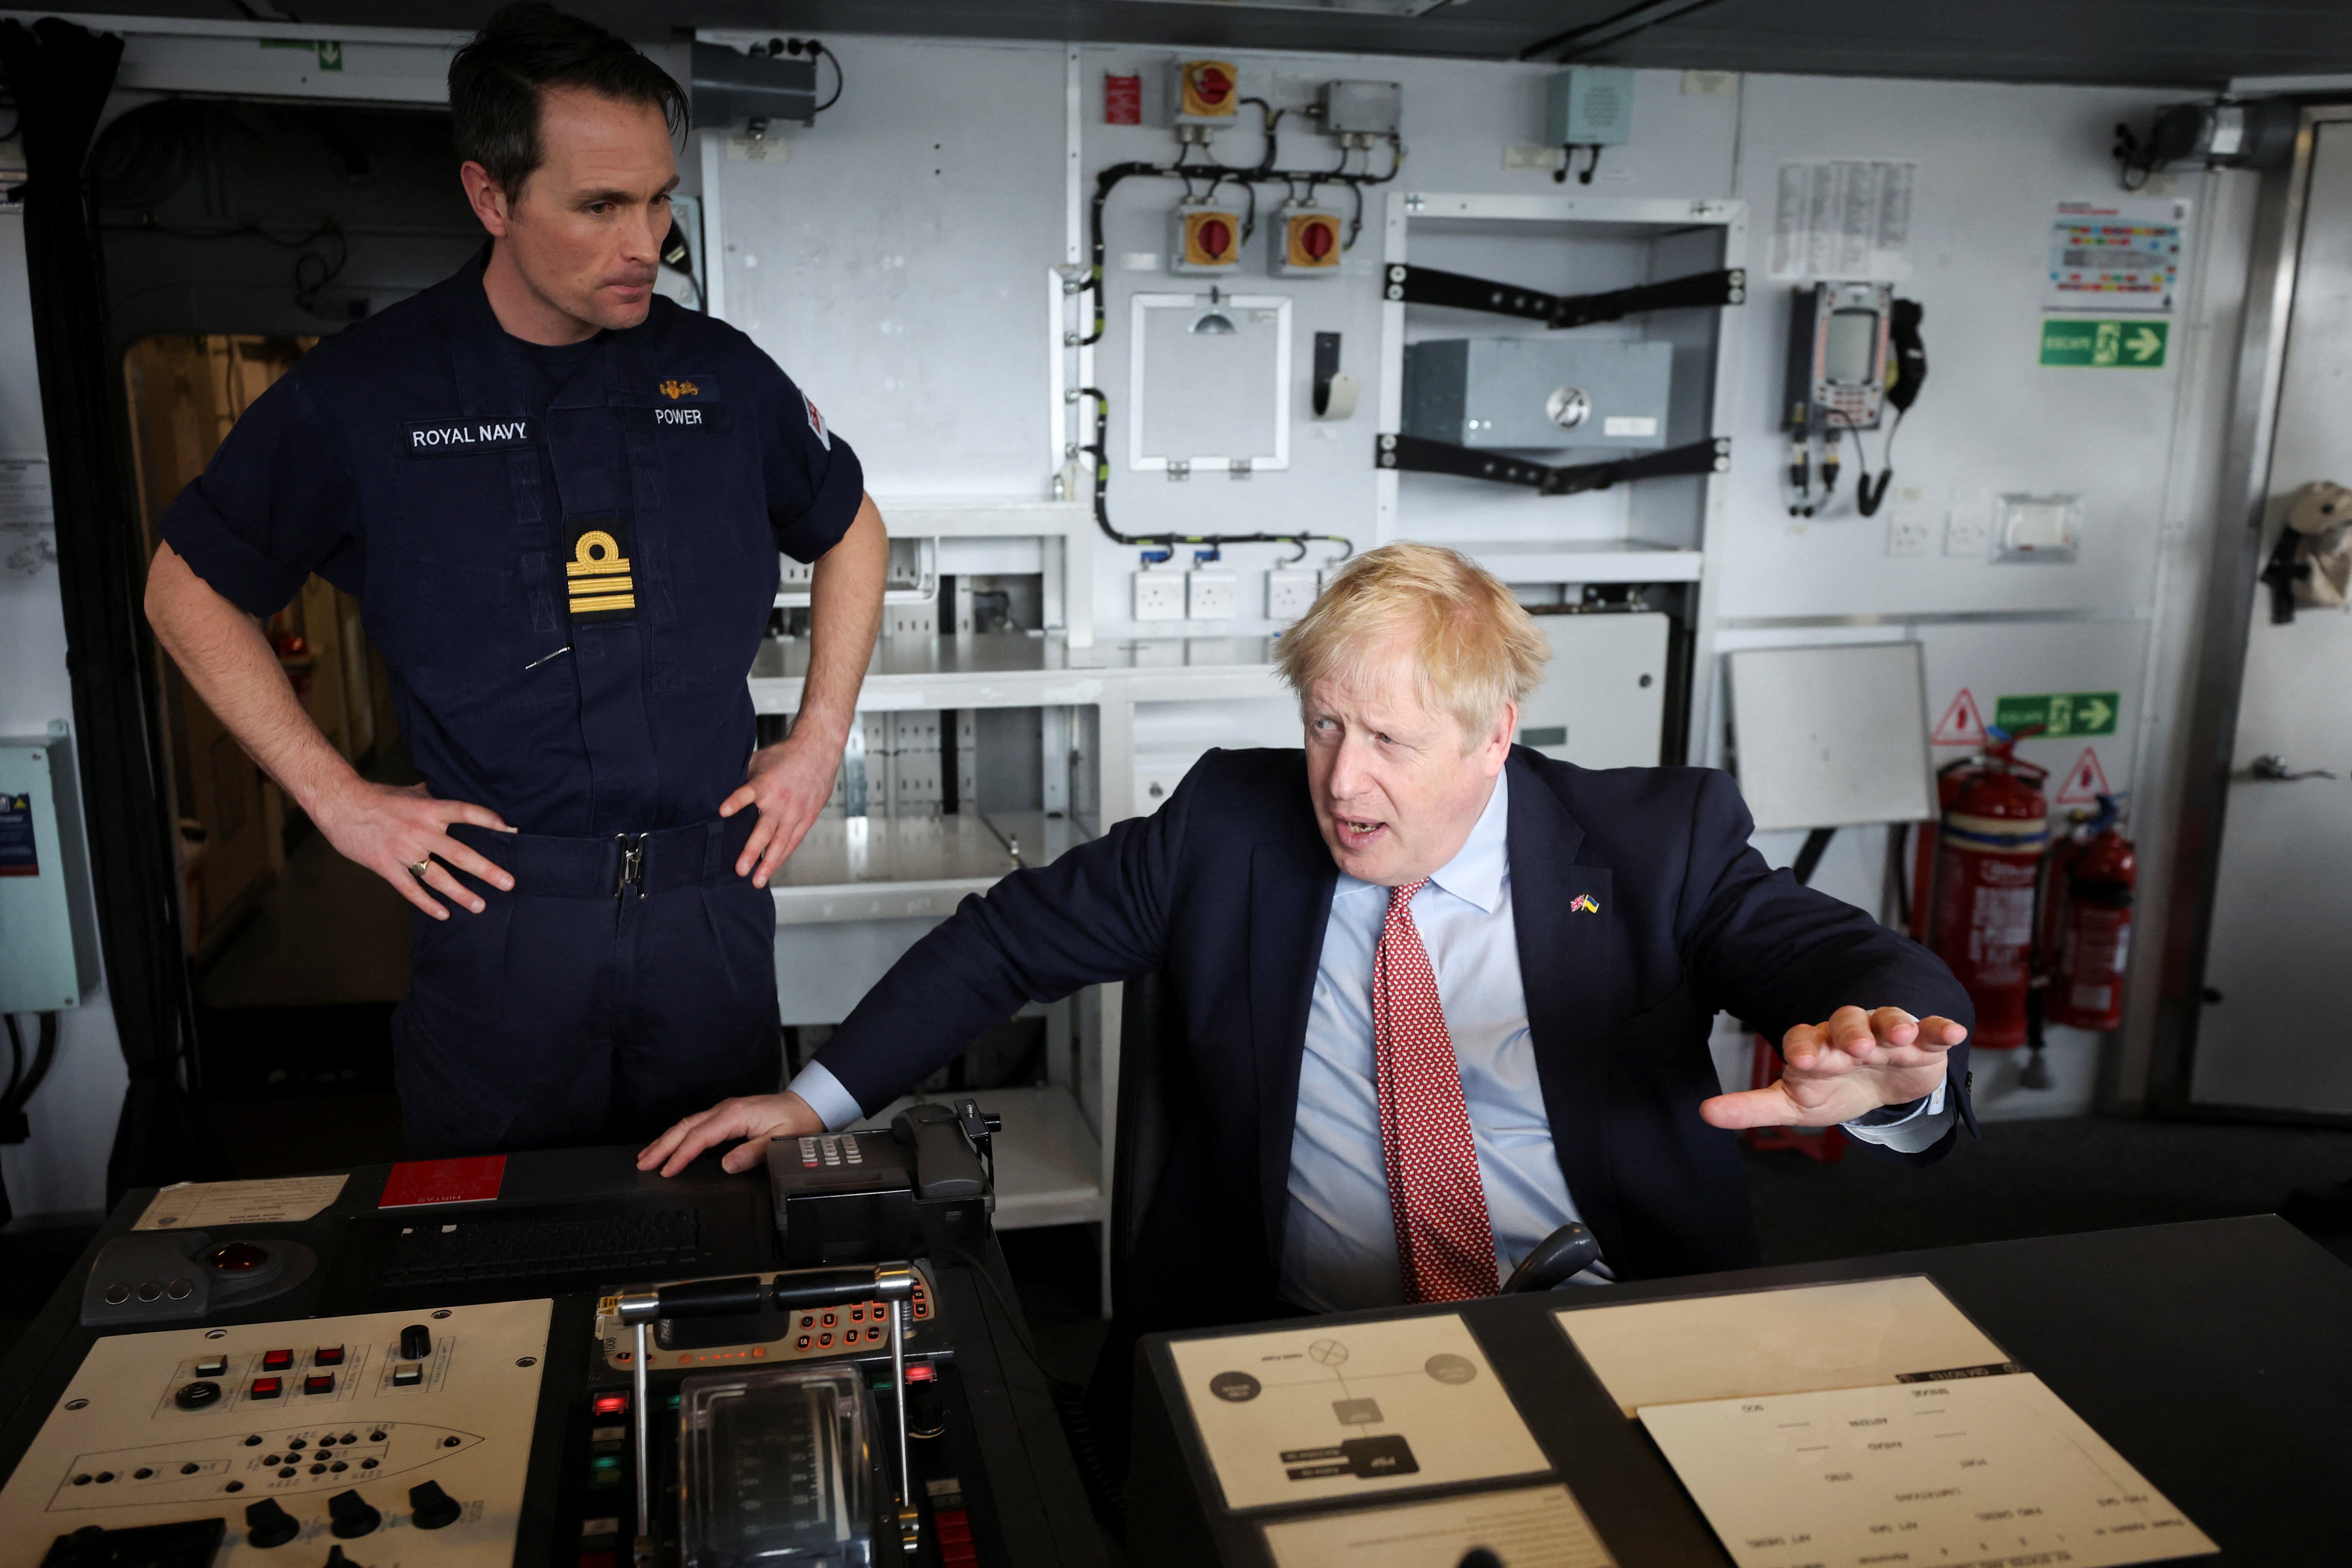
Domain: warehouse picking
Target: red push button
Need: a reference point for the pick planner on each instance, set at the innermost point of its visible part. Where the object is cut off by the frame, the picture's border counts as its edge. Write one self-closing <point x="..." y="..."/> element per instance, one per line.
<point x="611" y="1404"/>
<point x="268" y="1387"/>
<point x="328" y="1355"/>
<point x="319" y="1383"/>
<point x="276" y="1361"/>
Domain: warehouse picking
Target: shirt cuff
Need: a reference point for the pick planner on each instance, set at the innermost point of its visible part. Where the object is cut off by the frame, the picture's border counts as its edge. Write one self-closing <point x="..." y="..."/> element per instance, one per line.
<point x="1911" y="1132"/>
<point x="835" y="1105"/>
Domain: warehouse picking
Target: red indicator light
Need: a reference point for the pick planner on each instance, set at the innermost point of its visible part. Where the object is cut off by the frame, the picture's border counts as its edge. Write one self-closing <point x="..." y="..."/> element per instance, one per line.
<point x="611" y="1404"/>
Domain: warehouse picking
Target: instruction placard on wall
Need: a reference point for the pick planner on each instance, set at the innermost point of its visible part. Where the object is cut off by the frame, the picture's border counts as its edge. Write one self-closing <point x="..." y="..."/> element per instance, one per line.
<point x="2119" y="253"/>
<point x="1844" y="218"/>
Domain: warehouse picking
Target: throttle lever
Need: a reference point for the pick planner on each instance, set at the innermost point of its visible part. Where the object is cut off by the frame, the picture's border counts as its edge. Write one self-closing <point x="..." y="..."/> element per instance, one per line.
<point x="789" y="1291"/>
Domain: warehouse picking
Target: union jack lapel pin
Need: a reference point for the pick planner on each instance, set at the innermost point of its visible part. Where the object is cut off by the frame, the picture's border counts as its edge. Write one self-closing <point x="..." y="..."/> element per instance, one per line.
<point x="1585" y="904"/>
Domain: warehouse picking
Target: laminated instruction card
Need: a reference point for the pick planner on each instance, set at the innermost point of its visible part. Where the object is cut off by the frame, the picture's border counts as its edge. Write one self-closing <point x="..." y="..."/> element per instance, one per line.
<point x="1867" y="1424"/>
<point x="1324" y="1412"/>
<point x="1969" y="1473"/>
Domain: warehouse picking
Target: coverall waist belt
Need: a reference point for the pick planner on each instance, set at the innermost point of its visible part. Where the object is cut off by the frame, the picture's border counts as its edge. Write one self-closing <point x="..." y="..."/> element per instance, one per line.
<point x="545" y="866"/>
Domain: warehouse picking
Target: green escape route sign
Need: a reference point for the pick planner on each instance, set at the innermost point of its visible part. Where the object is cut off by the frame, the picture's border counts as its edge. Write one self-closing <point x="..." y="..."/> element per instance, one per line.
<point x="2105" y="345"/>
<point x="2059" y="713"/>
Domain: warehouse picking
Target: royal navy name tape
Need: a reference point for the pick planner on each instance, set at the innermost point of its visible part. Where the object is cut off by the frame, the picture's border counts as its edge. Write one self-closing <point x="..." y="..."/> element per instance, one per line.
<point x="689" y="416"/>
<point x="474" y="435"/>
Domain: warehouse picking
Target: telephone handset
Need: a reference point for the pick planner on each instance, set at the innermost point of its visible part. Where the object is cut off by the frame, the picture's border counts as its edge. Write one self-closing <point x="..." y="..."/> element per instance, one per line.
<point x="1908" y="373"/>
<point x="926" y="1185"/>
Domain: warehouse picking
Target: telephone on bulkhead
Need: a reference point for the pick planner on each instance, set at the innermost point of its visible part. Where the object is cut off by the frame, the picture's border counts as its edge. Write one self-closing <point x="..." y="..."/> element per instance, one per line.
<point x="1854" y="350"/>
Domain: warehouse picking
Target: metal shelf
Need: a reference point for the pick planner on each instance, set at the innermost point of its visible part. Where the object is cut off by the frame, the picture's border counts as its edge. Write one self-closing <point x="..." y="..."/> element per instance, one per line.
<point x="888" y="868"/>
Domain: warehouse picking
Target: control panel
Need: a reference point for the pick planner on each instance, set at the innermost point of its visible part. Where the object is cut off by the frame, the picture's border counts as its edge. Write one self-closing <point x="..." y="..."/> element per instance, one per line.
<point x="281" y="1442"/>
<point x="768" y="1336"/>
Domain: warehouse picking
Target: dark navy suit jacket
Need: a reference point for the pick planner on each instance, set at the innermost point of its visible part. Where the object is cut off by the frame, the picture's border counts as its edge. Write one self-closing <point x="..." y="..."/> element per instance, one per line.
<point x="1640" y="912"/>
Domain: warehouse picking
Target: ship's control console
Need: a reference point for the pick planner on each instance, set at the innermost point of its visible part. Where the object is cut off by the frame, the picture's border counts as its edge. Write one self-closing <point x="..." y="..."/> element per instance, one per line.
<point x="548" y="1359"/>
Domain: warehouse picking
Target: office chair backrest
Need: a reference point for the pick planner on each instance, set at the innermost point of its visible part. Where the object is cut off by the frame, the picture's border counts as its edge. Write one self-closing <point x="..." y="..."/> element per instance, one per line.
<point x="1155" y="1093"/>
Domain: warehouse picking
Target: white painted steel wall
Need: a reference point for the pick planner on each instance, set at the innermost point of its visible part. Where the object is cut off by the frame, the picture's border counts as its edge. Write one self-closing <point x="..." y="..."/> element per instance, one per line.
<point x="919" y="311"/>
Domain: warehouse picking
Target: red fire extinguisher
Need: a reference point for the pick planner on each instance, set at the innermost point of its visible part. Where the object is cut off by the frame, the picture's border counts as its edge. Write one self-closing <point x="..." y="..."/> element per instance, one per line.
<point x="1994" y="826"/>
<point x="2093" y="928"/>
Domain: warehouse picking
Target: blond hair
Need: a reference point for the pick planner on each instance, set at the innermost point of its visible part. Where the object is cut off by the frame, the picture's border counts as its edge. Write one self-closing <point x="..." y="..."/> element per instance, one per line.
<point x="1470" y="643"/>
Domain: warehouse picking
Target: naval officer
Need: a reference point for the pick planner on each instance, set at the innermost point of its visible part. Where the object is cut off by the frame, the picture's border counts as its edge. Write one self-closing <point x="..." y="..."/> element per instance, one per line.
<point x="560" y="501"/>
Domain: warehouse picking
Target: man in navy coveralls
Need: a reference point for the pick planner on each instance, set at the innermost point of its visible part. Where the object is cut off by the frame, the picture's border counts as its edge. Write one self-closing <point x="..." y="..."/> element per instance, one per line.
<point x="560" y="501"/>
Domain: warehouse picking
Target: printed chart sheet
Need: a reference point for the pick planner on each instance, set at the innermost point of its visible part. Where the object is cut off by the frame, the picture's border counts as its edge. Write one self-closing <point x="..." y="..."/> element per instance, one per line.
<point x="1776" y="1341"/>
<point x="1322" y="1413"/>
<point x="1531" y="1527"/>
<point x="193" y="1205"/>
<point x="1967" y="1473"/>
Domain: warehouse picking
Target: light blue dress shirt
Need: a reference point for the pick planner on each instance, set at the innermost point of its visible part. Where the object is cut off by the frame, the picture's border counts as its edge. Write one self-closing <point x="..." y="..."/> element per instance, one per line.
<point x="1338" y="1248"/>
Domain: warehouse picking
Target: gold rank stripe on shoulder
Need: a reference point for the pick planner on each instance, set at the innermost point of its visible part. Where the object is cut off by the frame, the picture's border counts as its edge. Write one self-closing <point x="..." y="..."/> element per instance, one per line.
<point x="599" y="575"/>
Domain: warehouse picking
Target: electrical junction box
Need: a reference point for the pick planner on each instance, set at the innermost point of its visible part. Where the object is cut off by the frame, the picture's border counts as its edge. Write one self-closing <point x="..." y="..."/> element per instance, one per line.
<point x="733" y="89"/>
<point x="1589" y="106"/>
<point x="1360" y="108"/>
<point x="1157" y="774"/>
<point x="1203" y="238"/>
<point x="1538" y="393"/>
<point x="1159" y="593"/>
<point x="1206" y="92"/>
<point x="49" y="941"/>
<point x="1290" y="593"/>
<point x="1603" y="701"/>
<point x="1212" y="593"/>
<point x="1303" y="241"/>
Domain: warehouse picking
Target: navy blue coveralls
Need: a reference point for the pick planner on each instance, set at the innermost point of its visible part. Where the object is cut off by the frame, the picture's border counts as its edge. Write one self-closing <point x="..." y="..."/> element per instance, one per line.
<point x="490" y="503"/>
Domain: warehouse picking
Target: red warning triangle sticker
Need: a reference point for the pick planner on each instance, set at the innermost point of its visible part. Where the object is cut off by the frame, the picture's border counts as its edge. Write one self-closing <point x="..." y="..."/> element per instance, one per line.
<point x="2085" y="781"/>
<point x="1962" y="723"/>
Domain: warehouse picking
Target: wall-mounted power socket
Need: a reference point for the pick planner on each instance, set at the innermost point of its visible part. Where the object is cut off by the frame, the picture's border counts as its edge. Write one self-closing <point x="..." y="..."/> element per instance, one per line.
<point x="1970" y="531"/>
<point x="1290" y="593"/>
<point x="1212" y="596"/>
<point x="1911" y="524"/>
<point x="1159" y="593"/>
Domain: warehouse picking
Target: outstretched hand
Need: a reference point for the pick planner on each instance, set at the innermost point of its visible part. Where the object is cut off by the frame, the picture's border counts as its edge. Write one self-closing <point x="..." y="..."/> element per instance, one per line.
<point x="1848" y="1067"/>
<point x="755" y="1117"/>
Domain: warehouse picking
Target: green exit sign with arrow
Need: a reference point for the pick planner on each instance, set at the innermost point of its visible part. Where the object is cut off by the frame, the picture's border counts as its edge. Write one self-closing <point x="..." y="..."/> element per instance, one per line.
<point x="2106" y="345"/>
<point x="2059" y="713"/>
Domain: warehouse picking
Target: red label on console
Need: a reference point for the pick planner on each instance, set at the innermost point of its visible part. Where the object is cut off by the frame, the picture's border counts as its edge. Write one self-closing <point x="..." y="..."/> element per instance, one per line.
<point x="470" y="1181"/>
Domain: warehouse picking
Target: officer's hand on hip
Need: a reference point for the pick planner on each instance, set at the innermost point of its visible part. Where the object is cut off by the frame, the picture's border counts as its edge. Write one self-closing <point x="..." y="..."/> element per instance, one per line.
<point x="1848" y="1067"/>
<point x="757" y="1118"/>
<point x="393" y="830"/>
<point x="790" y="783"/>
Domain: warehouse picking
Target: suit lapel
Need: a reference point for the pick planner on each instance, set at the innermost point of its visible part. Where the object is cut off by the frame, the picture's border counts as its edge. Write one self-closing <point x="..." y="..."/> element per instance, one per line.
<point x="1291" y="881"/>
<point x="1565" y="916"/>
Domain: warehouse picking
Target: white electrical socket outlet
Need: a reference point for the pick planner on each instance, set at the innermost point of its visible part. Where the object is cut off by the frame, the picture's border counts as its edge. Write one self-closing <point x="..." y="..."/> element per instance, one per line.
<point x="1911" y="524"/>
<point x="1970" y="528"/>
<point x="1158" y="596"/>
<point x="1290" y="593"/>
<point x="1212" y="596"/>
<point x="1523" y="157"/>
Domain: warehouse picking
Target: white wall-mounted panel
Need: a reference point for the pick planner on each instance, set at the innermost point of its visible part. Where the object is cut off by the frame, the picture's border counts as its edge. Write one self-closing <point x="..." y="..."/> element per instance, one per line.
<point x="890" y="262"/>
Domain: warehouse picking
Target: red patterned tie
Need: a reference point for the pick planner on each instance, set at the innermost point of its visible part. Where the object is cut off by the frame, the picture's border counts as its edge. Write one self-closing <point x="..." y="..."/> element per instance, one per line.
<point x="1445" y="1243"/>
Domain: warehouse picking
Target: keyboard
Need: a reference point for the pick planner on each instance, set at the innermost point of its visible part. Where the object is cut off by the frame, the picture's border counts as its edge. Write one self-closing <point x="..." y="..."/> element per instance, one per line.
<point x="582" y="1239"/>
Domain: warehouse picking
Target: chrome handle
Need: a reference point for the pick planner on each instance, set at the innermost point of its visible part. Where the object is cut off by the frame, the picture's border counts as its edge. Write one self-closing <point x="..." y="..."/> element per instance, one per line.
<point x="2273" y="768"/>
